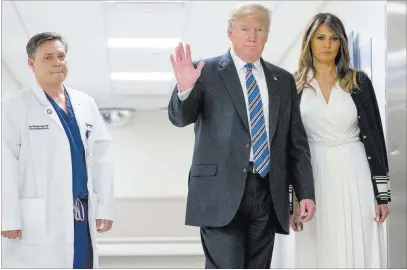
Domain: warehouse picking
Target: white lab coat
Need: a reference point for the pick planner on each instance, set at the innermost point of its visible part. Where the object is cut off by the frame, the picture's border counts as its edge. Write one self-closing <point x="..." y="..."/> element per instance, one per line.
<point x="37" y="178"/>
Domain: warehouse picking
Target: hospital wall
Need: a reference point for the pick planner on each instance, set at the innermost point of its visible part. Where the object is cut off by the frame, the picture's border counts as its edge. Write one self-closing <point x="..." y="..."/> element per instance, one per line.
<point x="152" y="160"/>
<point x="153" y="157"/>
<point x="8" y="84"/>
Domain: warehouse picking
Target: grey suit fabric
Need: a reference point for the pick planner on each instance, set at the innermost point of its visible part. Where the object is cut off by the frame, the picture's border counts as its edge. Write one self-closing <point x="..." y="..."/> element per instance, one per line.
<point x="218" y="173"/>
<point x="247" y="242"/>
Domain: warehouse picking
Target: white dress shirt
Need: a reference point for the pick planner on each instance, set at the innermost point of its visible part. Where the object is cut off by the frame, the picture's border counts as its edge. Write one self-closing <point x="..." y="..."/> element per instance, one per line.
<point x="258" y="74"/>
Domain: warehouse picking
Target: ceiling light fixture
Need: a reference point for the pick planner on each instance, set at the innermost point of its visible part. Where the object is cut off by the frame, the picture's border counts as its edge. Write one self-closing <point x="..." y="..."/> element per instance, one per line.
<point x="146" y="2"/>
<point x="116" y="117"/>
<point x="159" y="43"/>
<point x="142" y="76"/>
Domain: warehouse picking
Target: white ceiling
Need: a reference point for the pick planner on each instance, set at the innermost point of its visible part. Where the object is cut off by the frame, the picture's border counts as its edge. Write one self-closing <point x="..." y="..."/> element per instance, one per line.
<point x="87" y="25"/>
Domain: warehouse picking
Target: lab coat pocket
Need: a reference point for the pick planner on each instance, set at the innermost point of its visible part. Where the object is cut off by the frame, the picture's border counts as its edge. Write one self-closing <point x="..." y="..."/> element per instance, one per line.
<point x="33" y="224"/>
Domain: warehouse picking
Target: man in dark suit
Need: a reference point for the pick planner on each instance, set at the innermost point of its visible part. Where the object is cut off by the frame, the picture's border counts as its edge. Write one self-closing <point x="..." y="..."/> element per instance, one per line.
<point x="249" y="140"/>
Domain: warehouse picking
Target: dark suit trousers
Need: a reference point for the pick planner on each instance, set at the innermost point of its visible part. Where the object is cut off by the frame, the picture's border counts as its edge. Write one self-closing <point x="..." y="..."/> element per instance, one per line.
<point x="248" y="240"/>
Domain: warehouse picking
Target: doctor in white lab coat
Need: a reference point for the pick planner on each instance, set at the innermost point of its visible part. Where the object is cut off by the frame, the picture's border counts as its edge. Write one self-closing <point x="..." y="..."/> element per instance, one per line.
<point x="41" y="218"/>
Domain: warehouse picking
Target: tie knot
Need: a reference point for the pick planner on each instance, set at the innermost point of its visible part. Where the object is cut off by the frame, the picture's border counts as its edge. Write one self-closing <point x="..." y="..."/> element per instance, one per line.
<point x="248" y="66"/>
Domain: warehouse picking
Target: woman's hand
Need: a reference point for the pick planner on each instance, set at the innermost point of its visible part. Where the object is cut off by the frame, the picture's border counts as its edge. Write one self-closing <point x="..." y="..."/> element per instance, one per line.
<point x="382" y="211"/>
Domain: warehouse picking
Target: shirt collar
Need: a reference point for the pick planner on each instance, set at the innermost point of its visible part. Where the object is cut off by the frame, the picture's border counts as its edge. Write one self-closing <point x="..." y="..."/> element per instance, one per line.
<point x="239" y="63"/>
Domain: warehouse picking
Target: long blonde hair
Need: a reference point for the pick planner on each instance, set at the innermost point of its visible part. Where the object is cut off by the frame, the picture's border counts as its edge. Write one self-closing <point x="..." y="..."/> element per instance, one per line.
<point x="345" y="74"/>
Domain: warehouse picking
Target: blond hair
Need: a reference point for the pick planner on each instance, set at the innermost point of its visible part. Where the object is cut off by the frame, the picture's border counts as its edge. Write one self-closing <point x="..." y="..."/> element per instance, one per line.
<point x="345" y="74"/>
<point x="250" y="10"/>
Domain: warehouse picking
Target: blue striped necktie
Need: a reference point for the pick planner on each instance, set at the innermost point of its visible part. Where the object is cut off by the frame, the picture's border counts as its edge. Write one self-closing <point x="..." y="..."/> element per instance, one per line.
<point x="261" y="153"/>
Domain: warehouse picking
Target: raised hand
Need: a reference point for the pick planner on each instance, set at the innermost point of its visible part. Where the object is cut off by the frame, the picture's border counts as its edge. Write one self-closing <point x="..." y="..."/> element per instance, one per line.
<point x="185" y="72"/>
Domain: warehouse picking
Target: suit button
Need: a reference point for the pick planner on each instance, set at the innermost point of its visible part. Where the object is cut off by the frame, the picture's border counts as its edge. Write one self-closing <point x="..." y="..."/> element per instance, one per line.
<point x="247" y="145"/>
<point x="359" y="116"/>
<point x="244" y="170"/>
<point x="369" y="157"/>
<point x="364" y="137"/>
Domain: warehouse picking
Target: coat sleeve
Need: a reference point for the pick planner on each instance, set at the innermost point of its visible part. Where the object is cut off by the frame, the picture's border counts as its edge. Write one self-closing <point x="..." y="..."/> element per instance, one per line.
<point x="183" y="113"/>
<point x="10" y="151"/>
<point x="292" y="197"/>
<point x="103" y="167"/>
<point x="376" y="128"/>
<point x="299" y="158"/>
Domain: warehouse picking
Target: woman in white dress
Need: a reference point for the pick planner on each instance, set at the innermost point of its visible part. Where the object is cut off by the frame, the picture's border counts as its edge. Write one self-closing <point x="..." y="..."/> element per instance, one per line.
<point x="341" y="117"/>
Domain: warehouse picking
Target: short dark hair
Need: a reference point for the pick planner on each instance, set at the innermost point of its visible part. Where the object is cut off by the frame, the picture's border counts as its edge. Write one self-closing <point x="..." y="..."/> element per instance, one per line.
<point x="37" y="40"/>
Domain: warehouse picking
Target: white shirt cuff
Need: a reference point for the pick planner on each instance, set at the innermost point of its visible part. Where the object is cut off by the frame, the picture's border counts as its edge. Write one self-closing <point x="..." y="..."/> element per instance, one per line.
<point x="184" y="95"/>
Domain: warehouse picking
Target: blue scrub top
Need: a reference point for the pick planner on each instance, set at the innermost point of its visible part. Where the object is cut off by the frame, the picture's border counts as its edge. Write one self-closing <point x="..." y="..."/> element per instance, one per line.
<point x="79" y="174"/>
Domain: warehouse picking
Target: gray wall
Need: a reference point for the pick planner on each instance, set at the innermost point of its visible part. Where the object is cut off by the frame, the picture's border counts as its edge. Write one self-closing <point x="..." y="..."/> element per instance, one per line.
<point x="396" y="130"/>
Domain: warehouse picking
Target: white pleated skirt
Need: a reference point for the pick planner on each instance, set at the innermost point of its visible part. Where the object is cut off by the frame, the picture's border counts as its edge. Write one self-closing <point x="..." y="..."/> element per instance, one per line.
<point x="343" y="233"/>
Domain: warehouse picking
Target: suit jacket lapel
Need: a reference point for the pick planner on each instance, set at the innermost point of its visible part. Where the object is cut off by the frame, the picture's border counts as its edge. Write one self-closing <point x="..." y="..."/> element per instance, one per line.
<point x="273" y="87"/>
<point x="231" y="80"/>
